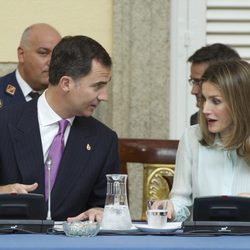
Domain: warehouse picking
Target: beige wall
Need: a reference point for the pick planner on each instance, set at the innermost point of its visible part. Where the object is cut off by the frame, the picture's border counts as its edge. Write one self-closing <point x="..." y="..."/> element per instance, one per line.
<point x="71" y="17"/>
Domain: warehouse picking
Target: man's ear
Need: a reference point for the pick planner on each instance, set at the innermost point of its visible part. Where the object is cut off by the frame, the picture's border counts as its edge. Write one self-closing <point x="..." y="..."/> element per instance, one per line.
<point x="66" y="83"/>
<point x="20" y="53"/>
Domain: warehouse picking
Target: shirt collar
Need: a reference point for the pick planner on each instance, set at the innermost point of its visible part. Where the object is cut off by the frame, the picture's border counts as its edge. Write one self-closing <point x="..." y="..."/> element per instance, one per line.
<point x="46" y="115"/>
<point x="25" y="87"/>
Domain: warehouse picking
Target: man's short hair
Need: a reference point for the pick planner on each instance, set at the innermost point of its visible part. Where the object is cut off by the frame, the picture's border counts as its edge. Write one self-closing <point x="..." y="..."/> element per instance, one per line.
<point x="214" y="53"/>
<point x="73" y="57"/>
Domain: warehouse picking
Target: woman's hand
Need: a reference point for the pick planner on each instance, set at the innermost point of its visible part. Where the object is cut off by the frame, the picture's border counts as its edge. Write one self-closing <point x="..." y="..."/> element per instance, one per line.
<point x="170" y="209"/>
<point x="165" y="204"/>
<point x="245" y="194"/>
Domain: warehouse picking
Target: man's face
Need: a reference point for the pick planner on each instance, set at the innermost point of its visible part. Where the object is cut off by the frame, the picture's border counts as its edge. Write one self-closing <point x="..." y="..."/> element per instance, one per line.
<point x="197" y="70"/>
<point x="34" y="58"/>
<point x="86" y="93"/>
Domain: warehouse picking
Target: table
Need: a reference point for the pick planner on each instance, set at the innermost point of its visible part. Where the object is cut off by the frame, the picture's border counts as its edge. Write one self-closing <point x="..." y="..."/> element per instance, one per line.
<point x="122" y="242"/>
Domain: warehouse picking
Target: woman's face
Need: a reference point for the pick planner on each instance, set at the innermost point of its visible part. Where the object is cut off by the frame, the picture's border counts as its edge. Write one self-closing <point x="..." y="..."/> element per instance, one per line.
<point x="216" y="110"/>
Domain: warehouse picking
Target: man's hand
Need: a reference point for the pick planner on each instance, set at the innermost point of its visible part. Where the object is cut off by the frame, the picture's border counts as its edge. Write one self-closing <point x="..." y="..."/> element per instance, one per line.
<point x="93" y="214"/>
<point x="18" y="188"/>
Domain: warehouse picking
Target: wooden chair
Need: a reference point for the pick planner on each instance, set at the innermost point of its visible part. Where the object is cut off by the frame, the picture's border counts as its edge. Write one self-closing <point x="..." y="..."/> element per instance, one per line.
<point x="158" y="159"/>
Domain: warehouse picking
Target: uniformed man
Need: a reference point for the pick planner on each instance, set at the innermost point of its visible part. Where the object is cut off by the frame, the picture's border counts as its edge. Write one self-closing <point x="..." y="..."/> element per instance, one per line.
<point x="31" y="76"/>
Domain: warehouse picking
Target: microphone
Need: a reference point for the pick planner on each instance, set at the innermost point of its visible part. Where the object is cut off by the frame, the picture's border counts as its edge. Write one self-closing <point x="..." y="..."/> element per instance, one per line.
<point x="48" y="164"/>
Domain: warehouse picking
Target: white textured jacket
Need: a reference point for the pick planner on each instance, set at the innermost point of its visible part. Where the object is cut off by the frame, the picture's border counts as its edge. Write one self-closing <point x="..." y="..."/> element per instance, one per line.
<point x="205" y="171"/>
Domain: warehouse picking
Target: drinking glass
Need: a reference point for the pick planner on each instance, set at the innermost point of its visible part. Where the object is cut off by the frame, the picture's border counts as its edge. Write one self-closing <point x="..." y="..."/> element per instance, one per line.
<point x="157" y="213"/>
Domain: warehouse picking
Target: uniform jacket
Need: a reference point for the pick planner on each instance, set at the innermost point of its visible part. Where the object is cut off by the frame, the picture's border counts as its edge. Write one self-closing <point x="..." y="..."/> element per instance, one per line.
<point x="10" y="91"/>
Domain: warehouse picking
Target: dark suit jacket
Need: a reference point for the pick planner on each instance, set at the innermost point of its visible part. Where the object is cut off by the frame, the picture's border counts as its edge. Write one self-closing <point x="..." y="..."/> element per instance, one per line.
<point x="81" y="179"/>
<point x="7" y="99"/>
<point x="194" y="119"/>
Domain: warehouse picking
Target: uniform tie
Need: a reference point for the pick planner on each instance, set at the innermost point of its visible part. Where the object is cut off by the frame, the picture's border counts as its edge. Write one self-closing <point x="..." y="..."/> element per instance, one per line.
<point x="55" y="154"/>
<point x="33" y="94"/>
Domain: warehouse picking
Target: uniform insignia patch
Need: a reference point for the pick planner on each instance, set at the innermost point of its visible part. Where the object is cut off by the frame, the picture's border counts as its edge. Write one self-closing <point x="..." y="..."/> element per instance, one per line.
<point x="10" y="89"/>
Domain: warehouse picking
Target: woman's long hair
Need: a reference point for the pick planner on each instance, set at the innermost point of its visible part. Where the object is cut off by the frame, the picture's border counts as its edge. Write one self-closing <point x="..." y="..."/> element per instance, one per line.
<point x="232" y="78"/>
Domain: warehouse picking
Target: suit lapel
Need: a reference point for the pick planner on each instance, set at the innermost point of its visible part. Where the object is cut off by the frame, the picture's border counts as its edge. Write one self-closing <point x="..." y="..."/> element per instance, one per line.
<point x="27" y="146"/>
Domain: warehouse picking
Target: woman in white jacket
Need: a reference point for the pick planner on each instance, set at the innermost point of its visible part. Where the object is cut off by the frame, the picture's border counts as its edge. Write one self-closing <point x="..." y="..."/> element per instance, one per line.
<point x="213" y="158"/>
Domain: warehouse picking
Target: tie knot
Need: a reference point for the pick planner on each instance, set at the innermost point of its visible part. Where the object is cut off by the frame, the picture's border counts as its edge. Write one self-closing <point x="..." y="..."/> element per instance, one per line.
<point x="33" y="94"/>
<point x="62" y="125"/>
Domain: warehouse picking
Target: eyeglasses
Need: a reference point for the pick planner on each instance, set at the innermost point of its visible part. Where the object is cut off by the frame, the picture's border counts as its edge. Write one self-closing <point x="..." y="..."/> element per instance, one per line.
<point x="194" y="81"/>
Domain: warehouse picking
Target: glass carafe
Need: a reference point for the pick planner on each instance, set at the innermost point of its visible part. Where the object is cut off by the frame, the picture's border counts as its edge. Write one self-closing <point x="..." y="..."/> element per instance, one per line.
<point x="116" y="214"/>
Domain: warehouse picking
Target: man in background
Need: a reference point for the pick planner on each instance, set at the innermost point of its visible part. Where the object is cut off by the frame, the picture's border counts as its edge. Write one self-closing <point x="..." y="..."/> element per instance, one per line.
<point x="31" y="77"/>
<point x="200" y="61"/>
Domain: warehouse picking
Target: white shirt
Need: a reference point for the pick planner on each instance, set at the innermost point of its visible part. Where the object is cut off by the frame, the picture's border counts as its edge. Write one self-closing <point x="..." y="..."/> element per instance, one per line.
<point x="205" y="171"/>
<point x="48" y="124"/>
<point x="25" y="87"/>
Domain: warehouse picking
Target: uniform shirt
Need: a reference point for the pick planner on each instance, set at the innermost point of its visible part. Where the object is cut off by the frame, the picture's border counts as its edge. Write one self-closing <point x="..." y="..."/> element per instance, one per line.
<point x="25" y="87"/>
<point x="205" y="171"/>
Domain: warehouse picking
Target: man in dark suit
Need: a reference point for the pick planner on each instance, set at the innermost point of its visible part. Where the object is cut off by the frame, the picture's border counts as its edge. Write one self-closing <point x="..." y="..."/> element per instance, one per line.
<point x="80" y="70"/>
<point x="200" y="61"/>
<point x="31" y="75"/>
